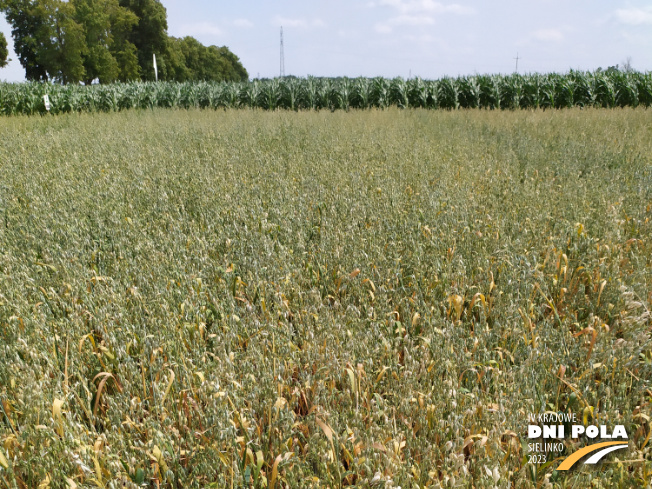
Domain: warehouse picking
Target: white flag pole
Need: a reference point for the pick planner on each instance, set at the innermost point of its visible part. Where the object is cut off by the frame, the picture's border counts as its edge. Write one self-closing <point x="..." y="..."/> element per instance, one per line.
<point x="155" y="68"/>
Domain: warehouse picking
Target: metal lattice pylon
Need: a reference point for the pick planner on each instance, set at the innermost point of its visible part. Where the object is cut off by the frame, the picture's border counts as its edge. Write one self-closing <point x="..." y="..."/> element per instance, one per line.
<point x="282" y="70"/>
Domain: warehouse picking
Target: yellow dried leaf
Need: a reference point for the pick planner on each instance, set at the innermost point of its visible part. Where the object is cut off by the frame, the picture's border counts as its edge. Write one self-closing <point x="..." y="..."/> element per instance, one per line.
<point x="56" y="409"/>
<point x="455" y="304"/>
<point x="272" y="482"/>
<point x="415" y="318"/>
<point x="45" y="483"/>
<point x="58" y="417"/>
<point x="381" y="374"/>
<point x="326" y="429"/>
<point x="351" y="379"/>
<point x="3" y="460"/>
<point x="167" y="389"/>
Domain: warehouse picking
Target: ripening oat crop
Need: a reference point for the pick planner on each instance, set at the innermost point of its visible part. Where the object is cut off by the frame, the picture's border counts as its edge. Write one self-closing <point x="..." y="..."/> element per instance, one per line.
<point x="270" y="299"/>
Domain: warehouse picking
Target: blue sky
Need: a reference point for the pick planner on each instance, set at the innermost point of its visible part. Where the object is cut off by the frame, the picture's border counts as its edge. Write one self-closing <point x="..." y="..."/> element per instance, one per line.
<point x="424" y="38"/>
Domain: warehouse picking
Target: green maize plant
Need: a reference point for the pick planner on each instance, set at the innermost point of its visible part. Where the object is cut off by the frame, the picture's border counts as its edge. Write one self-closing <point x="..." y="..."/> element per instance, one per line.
<point x="626" y="90"/>
<point x="417" y="93"/>
<point x="290" y="94"/>
<point x="644" y="85"/>
<point x="611" y="88"/>
<point x="230" y="95"/>
<point x="28" y="99"/>
<point x="380" y="93"/>
<point x="548" y="92"/>
<point x="398" y="93"/>
<point x="583" y="91"/>
<point x="109" y="99"/>
<point x="511" y="92"/>
<point x="532" y="91"/>
<point x="565" y="92"/>
<point x="69" y="100"/>
<point x="251" y="93"/>
<point x="170" y="96"/>
<point x="10" y="99"/>
<point x="432" y="102"/>
<point x="470" y="92"/>
<point x="644" y="88"/>
<point x="361" y="94"/>
<point x="190" y="95"/>
<point x="605" y="91"/>
<point x="324" y="94"/>
<point x="342" y="94"/>
<point x="210" y="96"/>
<point x="132" y="94"/>
<point x="448" y="93"/>
<point x="310" y="93"/>
<point x="490" y="89"/>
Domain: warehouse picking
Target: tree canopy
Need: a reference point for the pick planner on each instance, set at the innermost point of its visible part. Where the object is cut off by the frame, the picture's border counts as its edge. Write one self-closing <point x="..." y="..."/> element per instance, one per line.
<point x="4" y="53"/>
<point x="108" y="40"/>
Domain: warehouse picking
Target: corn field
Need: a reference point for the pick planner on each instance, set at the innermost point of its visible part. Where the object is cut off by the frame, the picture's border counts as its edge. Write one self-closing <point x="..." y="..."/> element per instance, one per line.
<point x="584" y="89"/>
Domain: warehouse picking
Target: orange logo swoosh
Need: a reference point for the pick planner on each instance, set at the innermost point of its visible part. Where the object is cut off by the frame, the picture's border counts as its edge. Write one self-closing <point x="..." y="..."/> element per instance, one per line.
<point x="570" y="460"/>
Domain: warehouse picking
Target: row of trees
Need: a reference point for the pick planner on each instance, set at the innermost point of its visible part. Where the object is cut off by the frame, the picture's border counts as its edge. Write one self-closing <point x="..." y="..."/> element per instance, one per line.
<point x="109" y="40"/>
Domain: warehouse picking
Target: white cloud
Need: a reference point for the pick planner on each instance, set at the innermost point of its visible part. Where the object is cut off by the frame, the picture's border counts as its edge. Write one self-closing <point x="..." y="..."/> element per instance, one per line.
<point x="548" y="35"/>
<point x="201" y="28"/>
<point x="297" y="22"/>
<point x="416" y="13"/>
<point x="635" y="16"/>
<point x="403" y="20"/>
<point x="425" y="6"/>
<point x="243" y="23"/>
<point x="412" y="20"/>
<point x="424" y="39"/>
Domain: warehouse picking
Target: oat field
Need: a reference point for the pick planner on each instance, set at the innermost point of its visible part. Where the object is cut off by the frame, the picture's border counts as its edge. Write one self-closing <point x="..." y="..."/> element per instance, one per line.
<point x="278" y="299"/>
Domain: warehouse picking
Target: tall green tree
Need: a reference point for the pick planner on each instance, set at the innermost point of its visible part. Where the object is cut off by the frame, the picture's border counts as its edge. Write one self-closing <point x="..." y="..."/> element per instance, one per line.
<point x="125" y="52"/>
<point x="150" y="34"/>
<point x="26" y="21"/>
<point x="236" y="71"/>
<point x="174" y="64"/>
<point x="49" y="43"/>
<point x="106" y="29"/>
<point x="63" y="44"/>
<point x="69" y="41"/>
<point x="208" y="63"/>
<point x="4" y="52"/>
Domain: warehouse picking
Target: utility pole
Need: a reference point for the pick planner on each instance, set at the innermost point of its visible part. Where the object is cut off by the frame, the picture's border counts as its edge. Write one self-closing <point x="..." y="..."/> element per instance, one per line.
<point x="282" y="70"/>
<point x="517" y="58"/>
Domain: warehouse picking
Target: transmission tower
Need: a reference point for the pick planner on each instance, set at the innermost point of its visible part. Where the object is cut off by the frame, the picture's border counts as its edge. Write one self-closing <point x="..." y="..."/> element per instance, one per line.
<point x="282" y="74"/>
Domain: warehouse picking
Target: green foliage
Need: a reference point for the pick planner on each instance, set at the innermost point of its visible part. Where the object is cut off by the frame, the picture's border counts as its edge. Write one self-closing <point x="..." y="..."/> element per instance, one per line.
<point x="109" y="40"/>
<point x="49" y="42"/>
<point x="188" y="60"/>
<point x="149" y="35"/>
<point x="107" y="26"/>
<point x="4" y="52"/>
<point x="372" y="298"/>
<point x="31" y="34"/>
